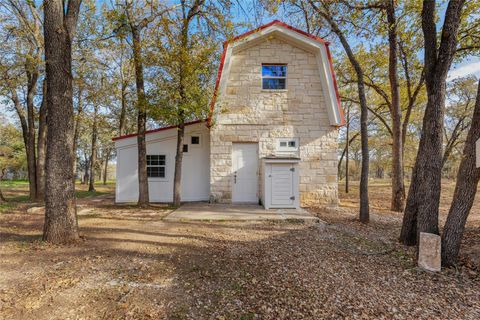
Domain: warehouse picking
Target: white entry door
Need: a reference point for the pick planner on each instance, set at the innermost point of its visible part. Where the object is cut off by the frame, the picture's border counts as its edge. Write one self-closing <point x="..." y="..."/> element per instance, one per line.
<point x="245" y="172"/>
<point x="282" y="184"/>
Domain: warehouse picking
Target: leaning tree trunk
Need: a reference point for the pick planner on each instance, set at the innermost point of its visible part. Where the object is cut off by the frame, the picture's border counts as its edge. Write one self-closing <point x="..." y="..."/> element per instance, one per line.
<point x="41" y="145"/>
<point x="364" y="201"/>
<point x="93" y="158"/>
<point x="143" y="197"/>
<point x="464" y="195"/>
<point x="61" y="225"/>
<point x="398" y="195"/>
<point x="421" y="211"/>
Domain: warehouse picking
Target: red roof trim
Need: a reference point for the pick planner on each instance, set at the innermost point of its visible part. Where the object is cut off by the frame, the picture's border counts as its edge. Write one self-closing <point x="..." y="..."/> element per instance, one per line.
<point x="155" y="130"/>
<point x="278" y="23"/>
<point x="217" y="83"/>
<point x="283" y="24"/>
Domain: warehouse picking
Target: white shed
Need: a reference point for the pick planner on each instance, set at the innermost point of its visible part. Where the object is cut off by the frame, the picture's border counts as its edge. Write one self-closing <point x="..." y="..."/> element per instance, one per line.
<point x="161" y="150"/>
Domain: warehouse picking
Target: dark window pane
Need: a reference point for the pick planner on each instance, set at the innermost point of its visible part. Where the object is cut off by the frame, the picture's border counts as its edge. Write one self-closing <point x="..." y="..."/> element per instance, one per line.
<point x="156" y="172"/>
<point x="283" y="143"/>
<point x="274" y="71"/>
<point x="272" y="83"/>
<point x="291" y="144"/>
<point x="195" y="140"/>
<point x="185" y="148"/>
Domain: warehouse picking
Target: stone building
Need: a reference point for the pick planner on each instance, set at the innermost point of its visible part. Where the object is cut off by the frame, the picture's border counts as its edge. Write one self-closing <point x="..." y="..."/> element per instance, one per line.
<point x="271" y="137"/>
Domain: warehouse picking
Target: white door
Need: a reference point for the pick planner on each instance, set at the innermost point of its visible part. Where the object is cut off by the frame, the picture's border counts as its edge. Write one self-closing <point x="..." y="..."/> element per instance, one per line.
<point x="245" y="172"/>
<point x="282" y="184"/>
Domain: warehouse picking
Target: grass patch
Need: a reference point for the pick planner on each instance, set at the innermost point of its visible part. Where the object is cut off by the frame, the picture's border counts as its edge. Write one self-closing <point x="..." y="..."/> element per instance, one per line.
<point x="6" y="206"/>
<point x="21" y="198"/>
<point x="13" y="183"/>
<point x="85" y="194"/>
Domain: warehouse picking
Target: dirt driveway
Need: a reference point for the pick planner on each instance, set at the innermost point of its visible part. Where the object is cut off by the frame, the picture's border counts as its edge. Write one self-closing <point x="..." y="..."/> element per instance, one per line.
<point x="132" y="264"/>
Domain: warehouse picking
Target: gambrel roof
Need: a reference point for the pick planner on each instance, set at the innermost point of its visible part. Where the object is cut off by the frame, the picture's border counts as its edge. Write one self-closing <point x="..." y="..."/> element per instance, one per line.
<point x="288" y="33"/>
<point x="304" y="40"/>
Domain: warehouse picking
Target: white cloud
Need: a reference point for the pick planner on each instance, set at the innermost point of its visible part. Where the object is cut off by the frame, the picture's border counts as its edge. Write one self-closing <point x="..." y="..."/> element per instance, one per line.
<point x="470" y="68"/>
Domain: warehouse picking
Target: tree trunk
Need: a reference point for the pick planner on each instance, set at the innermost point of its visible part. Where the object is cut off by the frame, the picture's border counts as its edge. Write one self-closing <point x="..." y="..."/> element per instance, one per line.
<point x="93" y="157"/>
<point x="41" y="145"/>
<point x="86" y="173"/>
<point x="123" y="111"/>
<point x="398" y="195"/>
<point x="364" y="201"/>
<point x="347" y="169"/>
<point x="105" y="169"/>
<point x="76" y="130"/>
<point x="177" y="185"/>
<point x="26" y="134"/>
<point x="61" y="225"/>
<point x="467" y="181"/>
<point x="32" y="77"/>
<point x="143" y="197"/>
<point x="2" y="198"/>
<point x="421" y="211"/>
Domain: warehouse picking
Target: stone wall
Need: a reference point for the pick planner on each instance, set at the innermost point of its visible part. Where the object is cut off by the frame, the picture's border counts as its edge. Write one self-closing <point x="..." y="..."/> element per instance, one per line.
<point x="246" y="113"/>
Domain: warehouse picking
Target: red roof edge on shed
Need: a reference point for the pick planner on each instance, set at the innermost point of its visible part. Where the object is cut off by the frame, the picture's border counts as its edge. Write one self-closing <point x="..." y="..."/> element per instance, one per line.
<point x="283" y="24"/>
<point x="156" y="130"/>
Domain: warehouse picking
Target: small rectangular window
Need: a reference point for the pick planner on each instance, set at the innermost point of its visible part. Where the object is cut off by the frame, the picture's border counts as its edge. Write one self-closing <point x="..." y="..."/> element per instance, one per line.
<point x="274" y="77"/>
<point x="287" y="144"/>
<point x="185" y="148"/>
<point x="156" y="166"/>
<point x="195" y="140"/>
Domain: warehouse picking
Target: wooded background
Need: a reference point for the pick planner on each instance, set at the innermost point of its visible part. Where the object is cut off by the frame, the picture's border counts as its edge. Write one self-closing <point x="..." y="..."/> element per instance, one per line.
<point x="120" y="67"/>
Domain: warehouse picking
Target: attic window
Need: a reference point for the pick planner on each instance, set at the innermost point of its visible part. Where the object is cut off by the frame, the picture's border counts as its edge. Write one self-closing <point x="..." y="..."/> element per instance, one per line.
<point x="274" y="76"/>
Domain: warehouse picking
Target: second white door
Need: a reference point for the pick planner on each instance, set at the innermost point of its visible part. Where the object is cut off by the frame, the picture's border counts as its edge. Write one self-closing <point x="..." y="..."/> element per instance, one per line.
<point x="245" y="172"/>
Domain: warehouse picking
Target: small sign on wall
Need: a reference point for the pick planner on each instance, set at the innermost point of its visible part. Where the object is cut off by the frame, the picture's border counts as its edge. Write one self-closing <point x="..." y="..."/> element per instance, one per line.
<point x="478" y="153"/>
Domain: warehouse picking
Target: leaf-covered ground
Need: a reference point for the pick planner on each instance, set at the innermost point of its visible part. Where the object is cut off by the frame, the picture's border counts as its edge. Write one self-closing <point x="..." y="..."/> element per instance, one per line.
<point x="131" y="264"/>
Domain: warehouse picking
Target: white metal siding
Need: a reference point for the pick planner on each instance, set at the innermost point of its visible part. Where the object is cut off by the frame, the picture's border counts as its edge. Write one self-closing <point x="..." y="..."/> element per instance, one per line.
<point x="195" y="166"/>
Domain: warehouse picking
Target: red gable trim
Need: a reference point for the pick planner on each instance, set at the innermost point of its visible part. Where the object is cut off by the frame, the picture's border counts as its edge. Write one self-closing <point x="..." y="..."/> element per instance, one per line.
<point x="283" y="24"/>
<point x="156" y="130"/>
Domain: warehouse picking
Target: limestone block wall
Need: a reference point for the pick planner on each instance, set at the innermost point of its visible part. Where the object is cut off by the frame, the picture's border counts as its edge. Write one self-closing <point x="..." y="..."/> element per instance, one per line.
<point x="246" y="113"/>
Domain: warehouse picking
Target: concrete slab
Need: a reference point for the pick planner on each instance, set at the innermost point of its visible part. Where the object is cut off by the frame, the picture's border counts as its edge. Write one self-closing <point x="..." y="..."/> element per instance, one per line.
<point x="237" y="212"/>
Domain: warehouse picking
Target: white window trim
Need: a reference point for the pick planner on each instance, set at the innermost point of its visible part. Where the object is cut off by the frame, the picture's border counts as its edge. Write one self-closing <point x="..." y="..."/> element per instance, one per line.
<point x="165" y="166"/>
<point x="287" y="148"/>
<point x="270" y="77"/>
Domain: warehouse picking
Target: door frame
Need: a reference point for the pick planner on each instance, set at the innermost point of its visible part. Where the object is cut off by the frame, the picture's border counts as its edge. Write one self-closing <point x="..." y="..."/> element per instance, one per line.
<point x="232" y="175"/>
<point x="267" y="186"/>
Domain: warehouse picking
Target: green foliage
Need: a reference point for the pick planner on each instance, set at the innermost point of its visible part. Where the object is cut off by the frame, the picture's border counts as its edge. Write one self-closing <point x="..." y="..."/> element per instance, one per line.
<point x="12" y="149"/>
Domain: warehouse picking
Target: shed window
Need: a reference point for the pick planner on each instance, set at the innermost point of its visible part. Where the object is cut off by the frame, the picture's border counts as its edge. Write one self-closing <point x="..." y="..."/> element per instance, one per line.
<point x="274" y="76"/>
<point x="195" y="140"/>
<point x="156" y="166"/>
<point x="185" y="148"/>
